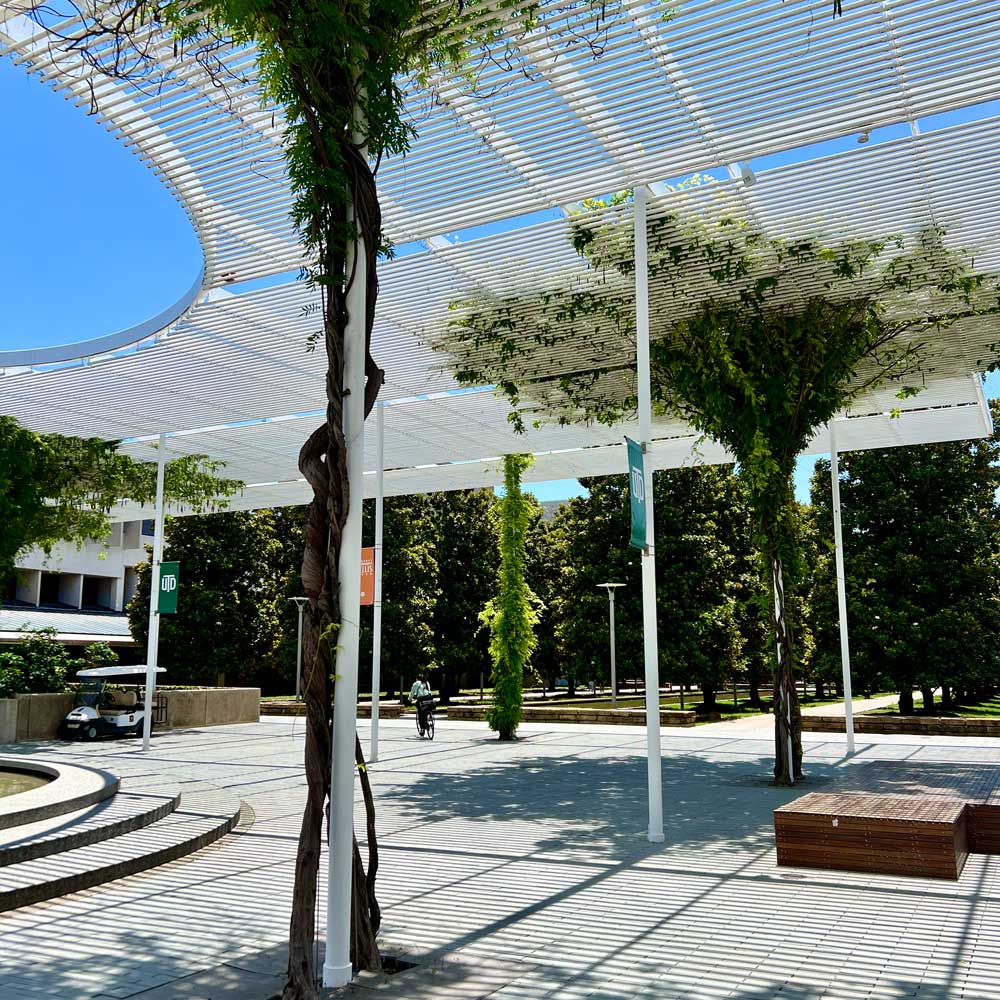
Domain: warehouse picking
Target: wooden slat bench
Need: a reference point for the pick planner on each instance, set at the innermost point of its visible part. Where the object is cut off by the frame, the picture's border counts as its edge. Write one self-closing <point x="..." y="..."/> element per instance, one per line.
<point x="944" y="815"/>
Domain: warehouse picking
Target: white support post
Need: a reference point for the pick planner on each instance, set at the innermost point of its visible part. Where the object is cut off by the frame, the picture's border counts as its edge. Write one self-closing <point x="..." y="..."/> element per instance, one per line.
<point x="153" y="640"/>
<point x="337" y="963"/>
<point x="611" y="629"/>
<point x="651" y="656"/>
<point x="377" y="610"/>
<point x="838" y="543"/>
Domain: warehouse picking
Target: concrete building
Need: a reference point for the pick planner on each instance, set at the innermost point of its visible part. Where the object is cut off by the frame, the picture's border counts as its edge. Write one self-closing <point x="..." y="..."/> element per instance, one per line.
<point x="81" y="591"/>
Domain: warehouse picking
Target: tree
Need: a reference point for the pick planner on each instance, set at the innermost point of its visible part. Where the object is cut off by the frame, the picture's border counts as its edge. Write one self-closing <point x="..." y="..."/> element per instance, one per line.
<point x="922" y="563"/>
<point x="410" y="589"/>
<point x="56" y="488"/>
<point x="697" y="595"/>
<point x="761" y="342"/>
<point x="468" y="563"/>
<point x="228" y="617"/>
<point x="38" y="664"/>
<point x="511" y="616"/>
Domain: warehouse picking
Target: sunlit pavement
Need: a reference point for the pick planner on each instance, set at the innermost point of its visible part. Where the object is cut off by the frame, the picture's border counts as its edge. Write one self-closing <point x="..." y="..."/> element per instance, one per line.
<point x="527" y="860"/>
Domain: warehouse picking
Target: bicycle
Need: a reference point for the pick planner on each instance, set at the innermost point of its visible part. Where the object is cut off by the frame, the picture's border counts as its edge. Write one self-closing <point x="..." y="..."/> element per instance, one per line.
<point x="425" y="716"/>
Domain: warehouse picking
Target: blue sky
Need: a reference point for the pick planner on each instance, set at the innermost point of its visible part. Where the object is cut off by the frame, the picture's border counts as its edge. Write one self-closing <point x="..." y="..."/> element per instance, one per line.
<point x="94" y="243"/>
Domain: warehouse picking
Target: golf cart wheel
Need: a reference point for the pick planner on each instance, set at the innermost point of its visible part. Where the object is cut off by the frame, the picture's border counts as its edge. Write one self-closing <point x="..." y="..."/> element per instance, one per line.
<point x="90" y="733"/>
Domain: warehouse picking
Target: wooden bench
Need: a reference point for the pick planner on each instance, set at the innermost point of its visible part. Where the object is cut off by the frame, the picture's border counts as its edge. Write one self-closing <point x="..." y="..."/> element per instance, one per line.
<point x="944" y="814"/>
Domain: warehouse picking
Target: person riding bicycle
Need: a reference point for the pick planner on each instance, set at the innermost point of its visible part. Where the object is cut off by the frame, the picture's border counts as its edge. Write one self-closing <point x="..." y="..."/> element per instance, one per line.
<point x="420" y="695"/>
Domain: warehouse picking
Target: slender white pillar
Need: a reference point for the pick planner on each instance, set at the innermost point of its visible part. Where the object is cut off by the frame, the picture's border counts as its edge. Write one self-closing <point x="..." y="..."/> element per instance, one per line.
<point x="838" y="544"/>
<point x="611" y="629"/>
<point x="337" y="963"/>
<point x="377" y="610"/>
<point x="153" y="641"/>
<point x="651" y="656"/>
<point x="779" y="599"/>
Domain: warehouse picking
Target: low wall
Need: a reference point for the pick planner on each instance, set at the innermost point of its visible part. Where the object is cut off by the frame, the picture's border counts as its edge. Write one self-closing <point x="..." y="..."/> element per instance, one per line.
<point x="386" y="710"/>
<point x="914" y="725"/>
<point x="8" y="720"/>
<point x="566" y="713"/>
<point x="39" y="715"/>
<point x="194" y="708"/>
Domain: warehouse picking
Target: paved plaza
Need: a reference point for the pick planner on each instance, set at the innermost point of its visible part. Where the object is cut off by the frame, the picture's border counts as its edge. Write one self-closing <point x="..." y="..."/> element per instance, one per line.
<point x="521" y="872"/>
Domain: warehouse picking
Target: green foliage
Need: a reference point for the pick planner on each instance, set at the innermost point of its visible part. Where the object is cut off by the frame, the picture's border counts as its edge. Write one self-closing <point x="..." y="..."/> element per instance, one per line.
<point x="55" y="488"/>
<point x="38" y="664"/>
<point x="511" y="616"/>
<point x="702" y="543"/>
<point x="410" y="590"/>
<point x="922" y="564"/>
<point x="230" y="601"/>
<point x="98" y="654"/>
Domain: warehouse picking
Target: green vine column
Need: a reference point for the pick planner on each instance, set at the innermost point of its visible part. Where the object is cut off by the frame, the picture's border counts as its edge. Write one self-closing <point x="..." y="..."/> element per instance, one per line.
<point x="511" y="616"/>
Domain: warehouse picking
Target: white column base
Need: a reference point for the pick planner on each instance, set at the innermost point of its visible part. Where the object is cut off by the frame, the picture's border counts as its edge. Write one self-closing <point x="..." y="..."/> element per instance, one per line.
<point x="337" y="975"/>
<point x="655" y="836"/>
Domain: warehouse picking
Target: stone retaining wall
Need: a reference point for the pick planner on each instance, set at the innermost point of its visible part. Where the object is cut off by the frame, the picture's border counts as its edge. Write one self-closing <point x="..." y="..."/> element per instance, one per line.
<point x="566" y="713"/>
<point x="390" y="710"/>
<point x="916" y="725"/>
<point x="37" y="716"/>
<point x="8" y="720"/>
<point x="194" y="708"/>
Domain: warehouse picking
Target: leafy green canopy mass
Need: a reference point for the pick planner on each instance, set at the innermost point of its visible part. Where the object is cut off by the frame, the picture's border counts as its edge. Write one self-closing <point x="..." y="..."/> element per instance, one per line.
<point x="511" y="616"/>
<point x="758" y="343"/>
<point x="55" y="488"/>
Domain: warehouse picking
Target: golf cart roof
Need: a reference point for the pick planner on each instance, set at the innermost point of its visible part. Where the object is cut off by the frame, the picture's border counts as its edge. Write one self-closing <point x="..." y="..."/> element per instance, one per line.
<point x="138" y="668"/>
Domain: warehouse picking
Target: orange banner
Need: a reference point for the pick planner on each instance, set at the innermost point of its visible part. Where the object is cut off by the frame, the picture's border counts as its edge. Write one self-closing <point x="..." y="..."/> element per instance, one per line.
<point x="367" y="576"/>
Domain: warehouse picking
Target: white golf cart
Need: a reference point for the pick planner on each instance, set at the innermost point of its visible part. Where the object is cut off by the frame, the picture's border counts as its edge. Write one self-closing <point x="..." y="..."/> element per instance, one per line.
<point x="103" y="712"/>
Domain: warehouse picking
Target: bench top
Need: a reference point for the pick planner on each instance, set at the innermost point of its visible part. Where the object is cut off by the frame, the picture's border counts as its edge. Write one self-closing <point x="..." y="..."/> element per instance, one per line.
<point x="865" y="805"/>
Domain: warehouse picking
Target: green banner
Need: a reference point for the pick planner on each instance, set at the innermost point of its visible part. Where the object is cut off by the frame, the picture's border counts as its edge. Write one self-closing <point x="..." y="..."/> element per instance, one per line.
<point x="169" y="575"/>
<point x="637" y="493"/>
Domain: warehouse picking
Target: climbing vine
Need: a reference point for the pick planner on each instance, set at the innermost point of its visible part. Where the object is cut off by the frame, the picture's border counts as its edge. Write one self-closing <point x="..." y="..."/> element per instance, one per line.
<point x="512" y="615"/>
<point x="758" y="342"/>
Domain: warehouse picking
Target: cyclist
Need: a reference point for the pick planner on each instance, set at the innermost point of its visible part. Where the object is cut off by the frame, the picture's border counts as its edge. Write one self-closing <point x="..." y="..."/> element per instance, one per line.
<point x="422" y="696"/>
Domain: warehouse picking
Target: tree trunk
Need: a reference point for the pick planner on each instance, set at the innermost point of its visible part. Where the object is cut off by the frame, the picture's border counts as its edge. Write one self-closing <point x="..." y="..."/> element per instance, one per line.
<point x="570" y="687"/>
<point x="787" y="721"/>
<point x="753" y="683"/>
<point x="709" y="697"/>
<point x="947" y="699"/>
<point x="928" y="696"/>
<point x="906" y="701"/>
<point x="820" y="688"/>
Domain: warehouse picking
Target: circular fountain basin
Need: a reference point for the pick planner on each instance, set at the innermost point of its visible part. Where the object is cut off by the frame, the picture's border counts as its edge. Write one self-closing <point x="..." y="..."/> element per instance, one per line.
<point x="58" y="789"/>
<point x="14" y="782"/>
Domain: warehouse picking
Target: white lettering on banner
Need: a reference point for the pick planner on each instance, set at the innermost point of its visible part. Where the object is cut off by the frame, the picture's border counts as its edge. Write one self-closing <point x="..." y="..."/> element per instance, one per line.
<point x="168" y="583"/>
<point x="638" y="486"/>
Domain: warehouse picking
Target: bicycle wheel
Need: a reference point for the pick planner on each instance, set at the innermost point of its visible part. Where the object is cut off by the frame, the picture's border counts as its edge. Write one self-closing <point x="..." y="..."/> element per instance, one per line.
<point x="420" y="728"/>
<point x="430" y="726"/>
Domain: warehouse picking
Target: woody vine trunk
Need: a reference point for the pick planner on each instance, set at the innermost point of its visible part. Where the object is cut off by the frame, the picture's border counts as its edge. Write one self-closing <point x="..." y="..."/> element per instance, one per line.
<point x="322" y="462"/>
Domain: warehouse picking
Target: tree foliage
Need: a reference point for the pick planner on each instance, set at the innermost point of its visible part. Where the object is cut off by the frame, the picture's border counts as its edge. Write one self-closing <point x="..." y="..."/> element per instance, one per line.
<point x="37" y="664"/>
<point x="56" y="488"/>
<point x="761" y="341"/>
<point x="511" y="616"/>
<point x="230" y="598"/>
<point x="922" y="565"/>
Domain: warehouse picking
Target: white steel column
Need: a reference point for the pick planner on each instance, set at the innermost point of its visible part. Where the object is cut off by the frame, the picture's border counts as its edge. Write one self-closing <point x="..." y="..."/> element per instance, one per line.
<point x="337" y="964"/>
<point x="838" y="543"/>
<point x="651" y="655"/>
<point x="611" y="630"/>
<point x="153" y="640"/>
<point x="377" y="610"/>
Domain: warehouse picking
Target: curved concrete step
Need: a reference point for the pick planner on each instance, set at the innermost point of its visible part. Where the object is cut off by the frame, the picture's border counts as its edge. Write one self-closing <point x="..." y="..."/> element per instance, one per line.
<point x="205" y="814"/>
<point x="138" y="804"/>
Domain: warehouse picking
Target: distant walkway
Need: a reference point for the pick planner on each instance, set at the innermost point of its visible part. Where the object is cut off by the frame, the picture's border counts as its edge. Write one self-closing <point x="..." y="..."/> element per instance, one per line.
<point x="860" y="705"/>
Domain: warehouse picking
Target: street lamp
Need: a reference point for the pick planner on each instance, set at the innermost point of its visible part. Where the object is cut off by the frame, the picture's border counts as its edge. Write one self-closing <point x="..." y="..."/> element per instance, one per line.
<point x="610" y="587"/>
<point x="301" y="602"/>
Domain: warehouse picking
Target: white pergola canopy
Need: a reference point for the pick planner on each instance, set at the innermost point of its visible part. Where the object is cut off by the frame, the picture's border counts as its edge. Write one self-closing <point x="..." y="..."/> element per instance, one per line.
<point x="776" y="94"/>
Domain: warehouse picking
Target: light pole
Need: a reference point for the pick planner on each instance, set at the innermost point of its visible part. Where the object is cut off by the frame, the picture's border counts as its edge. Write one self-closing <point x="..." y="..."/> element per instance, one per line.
<point x="610" y="588"/>
<point x="301" y="602"/>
